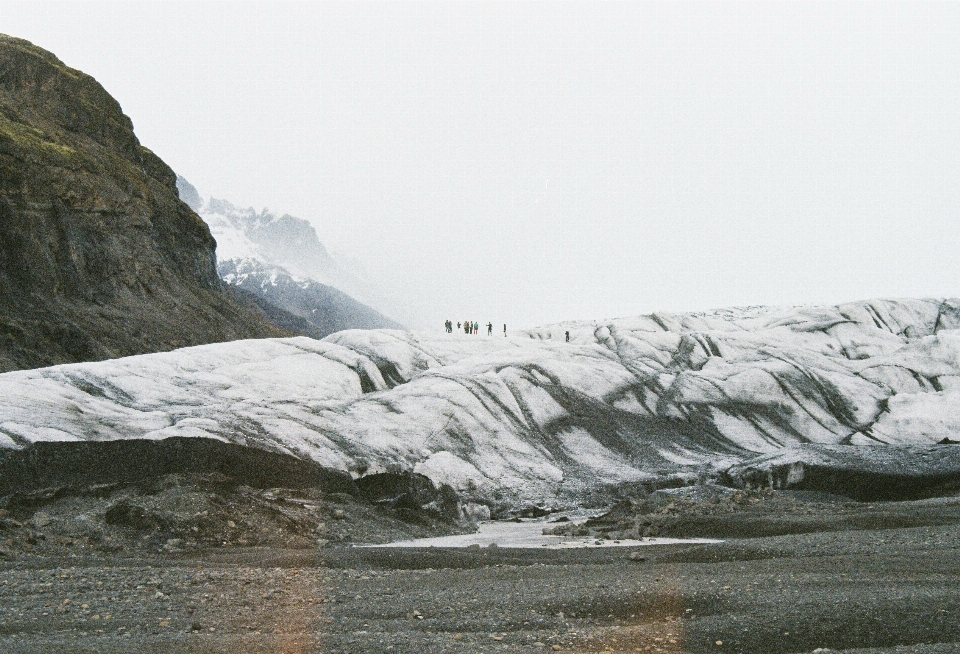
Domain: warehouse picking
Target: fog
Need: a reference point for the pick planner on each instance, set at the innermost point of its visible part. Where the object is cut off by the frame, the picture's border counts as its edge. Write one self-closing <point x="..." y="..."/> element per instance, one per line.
<point x="525" y="163"/>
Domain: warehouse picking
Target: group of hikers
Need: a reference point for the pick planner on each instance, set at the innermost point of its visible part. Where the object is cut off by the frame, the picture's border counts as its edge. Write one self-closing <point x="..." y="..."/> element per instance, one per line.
<point x="474" y="328"/>
<point x="471" y="327"/>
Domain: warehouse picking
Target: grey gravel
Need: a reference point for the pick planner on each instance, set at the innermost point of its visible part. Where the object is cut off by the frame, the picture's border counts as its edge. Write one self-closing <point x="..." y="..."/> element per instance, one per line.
<point x="848" y="591"/>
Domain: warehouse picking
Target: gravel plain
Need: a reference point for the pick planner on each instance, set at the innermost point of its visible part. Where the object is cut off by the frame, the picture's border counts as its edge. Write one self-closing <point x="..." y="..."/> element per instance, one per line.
<point x="889" y="590"/>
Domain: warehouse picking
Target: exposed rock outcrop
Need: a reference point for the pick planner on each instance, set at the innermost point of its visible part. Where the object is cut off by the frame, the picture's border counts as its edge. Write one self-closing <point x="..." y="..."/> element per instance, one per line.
<point x="410" y="494"/>
<point x="99" y="258"/>
<point x="865" y="473"/>
<point x="66" y="465"/>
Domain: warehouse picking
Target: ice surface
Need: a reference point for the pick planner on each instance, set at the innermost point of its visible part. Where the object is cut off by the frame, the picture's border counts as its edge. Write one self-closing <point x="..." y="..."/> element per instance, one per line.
<point x="531" y="417"/>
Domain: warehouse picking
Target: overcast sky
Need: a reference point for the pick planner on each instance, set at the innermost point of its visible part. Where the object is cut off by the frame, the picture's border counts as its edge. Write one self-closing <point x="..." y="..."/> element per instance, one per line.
<point x="533" y="162"/>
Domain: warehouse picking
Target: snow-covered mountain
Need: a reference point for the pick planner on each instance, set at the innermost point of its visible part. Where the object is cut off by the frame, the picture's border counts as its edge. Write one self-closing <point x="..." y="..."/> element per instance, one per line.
<point x="245" y="236"/>
<point x="532" y="417"/>
<point x="327" y="309"/>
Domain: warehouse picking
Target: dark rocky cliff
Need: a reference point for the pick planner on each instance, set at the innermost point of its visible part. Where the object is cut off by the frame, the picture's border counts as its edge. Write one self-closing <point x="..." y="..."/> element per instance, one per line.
<point x="99" y="258"/>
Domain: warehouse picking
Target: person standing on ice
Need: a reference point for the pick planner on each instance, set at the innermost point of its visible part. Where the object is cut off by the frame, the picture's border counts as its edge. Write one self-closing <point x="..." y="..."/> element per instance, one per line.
<point x="504" y="330"/>
<point x="489" y="329"/>
<point x="476" y="327"/>
<point x="568" y="336"/>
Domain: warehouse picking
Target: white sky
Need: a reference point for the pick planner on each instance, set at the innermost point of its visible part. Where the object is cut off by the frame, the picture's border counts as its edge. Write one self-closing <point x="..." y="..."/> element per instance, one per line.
<point x="528" y="163"/>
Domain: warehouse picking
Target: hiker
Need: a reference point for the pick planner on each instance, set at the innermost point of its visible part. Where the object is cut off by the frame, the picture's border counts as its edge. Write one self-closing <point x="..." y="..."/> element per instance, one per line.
<point x="504" y="330"/>
<point x="489" y="329"/>
<point x="476" y="327"/>
<point x="466" y="327"/>
<point x="458" y="326"/>
<point x="568" y="336"/>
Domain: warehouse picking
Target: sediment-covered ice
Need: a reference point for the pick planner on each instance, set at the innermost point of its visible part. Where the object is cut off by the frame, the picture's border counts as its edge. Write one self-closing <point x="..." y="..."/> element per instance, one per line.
<point x="531" y="417"/>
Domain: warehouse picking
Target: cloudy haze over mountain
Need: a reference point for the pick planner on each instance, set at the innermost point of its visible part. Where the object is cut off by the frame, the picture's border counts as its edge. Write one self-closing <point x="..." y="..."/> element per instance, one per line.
<point x="532" y="162"/>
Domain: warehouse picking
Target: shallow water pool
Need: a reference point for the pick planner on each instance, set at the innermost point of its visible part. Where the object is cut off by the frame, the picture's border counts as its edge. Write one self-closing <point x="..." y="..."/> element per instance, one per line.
<point x="529" y="534"/>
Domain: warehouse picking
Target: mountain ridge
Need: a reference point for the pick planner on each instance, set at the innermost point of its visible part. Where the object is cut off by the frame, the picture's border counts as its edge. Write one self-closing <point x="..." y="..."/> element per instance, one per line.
<point x="280" y="260"/>
<point x="324" y="307"/>
<point x="286" y="242"/>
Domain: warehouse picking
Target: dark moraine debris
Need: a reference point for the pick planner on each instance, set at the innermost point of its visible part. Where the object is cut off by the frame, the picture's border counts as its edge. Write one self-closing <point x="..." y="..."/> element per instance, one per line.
<point x="83" y="464"/>
<point x="410" y="494"/>
<point x="127" y="514"/>
<point x="864" y="473"/>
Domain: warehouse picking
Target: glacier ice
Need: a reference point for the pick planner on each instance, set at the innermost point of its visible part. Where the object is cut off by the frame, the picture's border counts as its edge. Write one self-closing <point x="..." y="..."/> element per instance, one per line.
<point x="531" y="417"/>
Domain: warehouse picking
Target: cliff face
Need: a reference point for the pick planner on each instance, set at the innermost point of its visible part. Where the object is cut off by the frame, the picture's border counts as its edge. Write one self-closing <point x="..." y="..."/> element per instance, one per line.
<point x="99" y="258"/>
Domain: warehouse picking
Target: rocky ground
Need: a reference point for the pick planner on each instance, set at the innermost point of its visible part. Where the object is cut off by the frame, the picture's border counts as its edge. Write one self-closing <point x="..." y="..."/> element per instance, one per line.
<point x="196" y="512"/>
<point x="844" y="585"/>
<point x="708" y="511"/>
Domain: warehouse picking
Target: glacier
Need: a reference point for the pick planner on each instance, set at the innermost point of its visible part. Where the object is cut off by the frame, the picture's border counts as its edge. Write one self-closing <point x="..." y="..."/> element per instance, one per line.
<point x="531" y="417"/>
